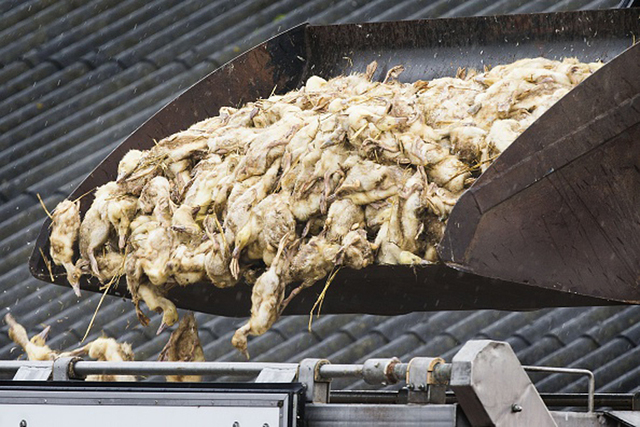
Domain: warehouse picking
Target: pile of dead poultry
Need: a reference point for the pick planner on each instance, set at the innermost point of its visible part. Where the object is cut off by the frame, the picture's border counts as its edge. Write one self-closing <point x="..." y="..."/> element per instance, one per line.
<point x="283" y="191"/>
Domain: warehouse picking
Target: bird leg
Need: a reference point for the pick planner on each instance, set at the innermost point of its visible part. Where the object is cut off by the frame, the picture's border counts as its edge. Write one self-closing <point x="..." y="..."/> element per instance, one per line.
<point x="305" y="284"/>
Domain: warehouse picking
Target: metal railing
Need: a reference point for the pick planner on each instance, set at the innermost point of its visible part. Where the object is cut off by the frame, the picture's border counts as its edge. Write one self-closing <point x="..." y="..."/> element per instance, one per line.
<point x="571" y="371"/>
<point x="382" y="372"/>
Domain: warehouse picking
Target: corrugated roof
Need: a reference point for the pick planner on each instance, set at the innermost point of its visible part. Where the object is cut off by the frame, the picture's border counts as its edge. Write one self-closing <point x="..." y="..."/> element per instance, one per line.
<point x="76" y="77"/>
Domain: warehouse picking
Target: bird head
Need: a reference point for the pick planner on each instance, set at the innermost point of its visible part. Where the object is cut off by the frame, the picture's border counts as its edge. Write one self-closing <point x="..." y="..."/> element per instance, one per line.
<point x="41" y="339"/>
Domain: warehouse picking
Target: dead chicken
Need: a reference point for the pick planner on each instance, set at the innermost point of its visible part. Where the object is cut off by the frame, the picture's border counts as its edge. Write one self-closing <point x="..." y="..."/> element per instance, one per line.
<point x="121" y="210"/>
<point x="378" y="213"/>
<point x="467" y="142"/>
<point x="433" y="232"/>
<point x="184" y="224"/>
<point x="187" y="264"/>
<point x="217" y="262"/>
<point x="389" y="241"/>
<point x="406" y="218"/>
<point x="239" y="210"/>
<point x="179" y="174"/>
<point x="155" y="199"/>
<point x="95" y="227"/>
<point x="266" y="299"/>
<point x="356" y="251"/>
<point x="149" y="252"/>
<point x="65" y="226"/>
<point x="313" y="261"/>
<point x="212" y="177"/>
<point x="106" y="350"/>
<point x="129" y="163"/>
<point x="110" y="265"/>
<point x="183" y="346"/>
<point x="188" y="144"/>
<point x="136" y="169"/>
<point x="438" y="200"/>
<point x="367" y="182"/>
<point x="36" y="347"/>
<point x="270" y="145"/>
<point x="268" y="223"/>
<point x="343" y="216"/>
<point x="432" y="151"/>
<point x="503" y="133"/>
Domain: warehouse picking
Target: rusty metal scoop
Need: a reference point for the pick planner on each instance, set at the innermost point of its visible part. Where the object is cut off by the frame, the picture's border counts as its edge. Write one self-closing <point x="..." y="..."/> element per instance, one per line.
<point x="555" y="221"/>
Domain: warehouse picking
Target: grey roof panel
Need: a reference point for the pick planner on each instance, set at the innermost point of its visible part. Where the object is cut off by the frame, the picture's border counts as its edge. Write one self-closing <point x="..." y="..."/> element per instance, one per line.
<point x="23" y="10"/>
<point x="19" y="76"/>
<point x="17" y="109"/>
<point x="30" y="27"/>
<point x="54" y="49"/>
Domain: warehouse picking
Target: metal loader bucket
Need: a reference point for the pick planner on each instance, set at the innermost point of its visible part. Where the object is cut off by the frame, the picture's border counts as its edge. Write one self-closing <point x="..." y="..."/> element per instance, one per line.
<point x="553" y="222"/>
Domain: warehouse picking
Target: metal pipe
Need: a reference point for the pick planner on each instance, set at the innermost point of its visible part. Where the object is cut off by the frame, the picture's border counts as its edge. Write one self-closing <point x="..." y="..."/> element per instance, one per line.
<point x="330" y="371"/>
<point x="400" y="370"/>
<point x="84" y="368"/>
<point x="571" y="371"/>
<point x="12" y="366"/>
<point x="442" y="373"/>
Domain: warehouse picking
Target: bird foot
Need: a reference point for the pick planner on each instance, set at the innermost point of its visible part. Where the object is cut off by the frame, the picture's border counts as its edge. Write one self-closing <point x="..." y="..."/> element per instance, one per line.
<point x="234" y="267"/>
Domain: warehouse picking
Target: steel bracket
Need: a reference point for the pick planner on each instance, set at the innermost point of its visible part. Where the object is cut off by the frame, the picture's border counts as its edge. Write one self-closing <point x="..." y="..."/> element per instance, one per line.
<point x="317" y="388"/>
<point x="33" y="373"/>
<point x="423" y="385"/>
<point x="63" y="368"/>
<point x="493" y="389"/>
<point x="277" y="375"/>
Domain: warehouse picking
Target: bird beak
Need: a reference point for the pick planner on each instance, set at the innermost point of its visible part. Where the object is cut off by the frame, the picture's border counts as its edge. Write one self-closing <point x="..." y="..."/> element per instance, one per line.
<point x="76" y="289"/>
<point x="78" y="352"/>
<point x="162" y="327"/>
<point x="45" y="333"/>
